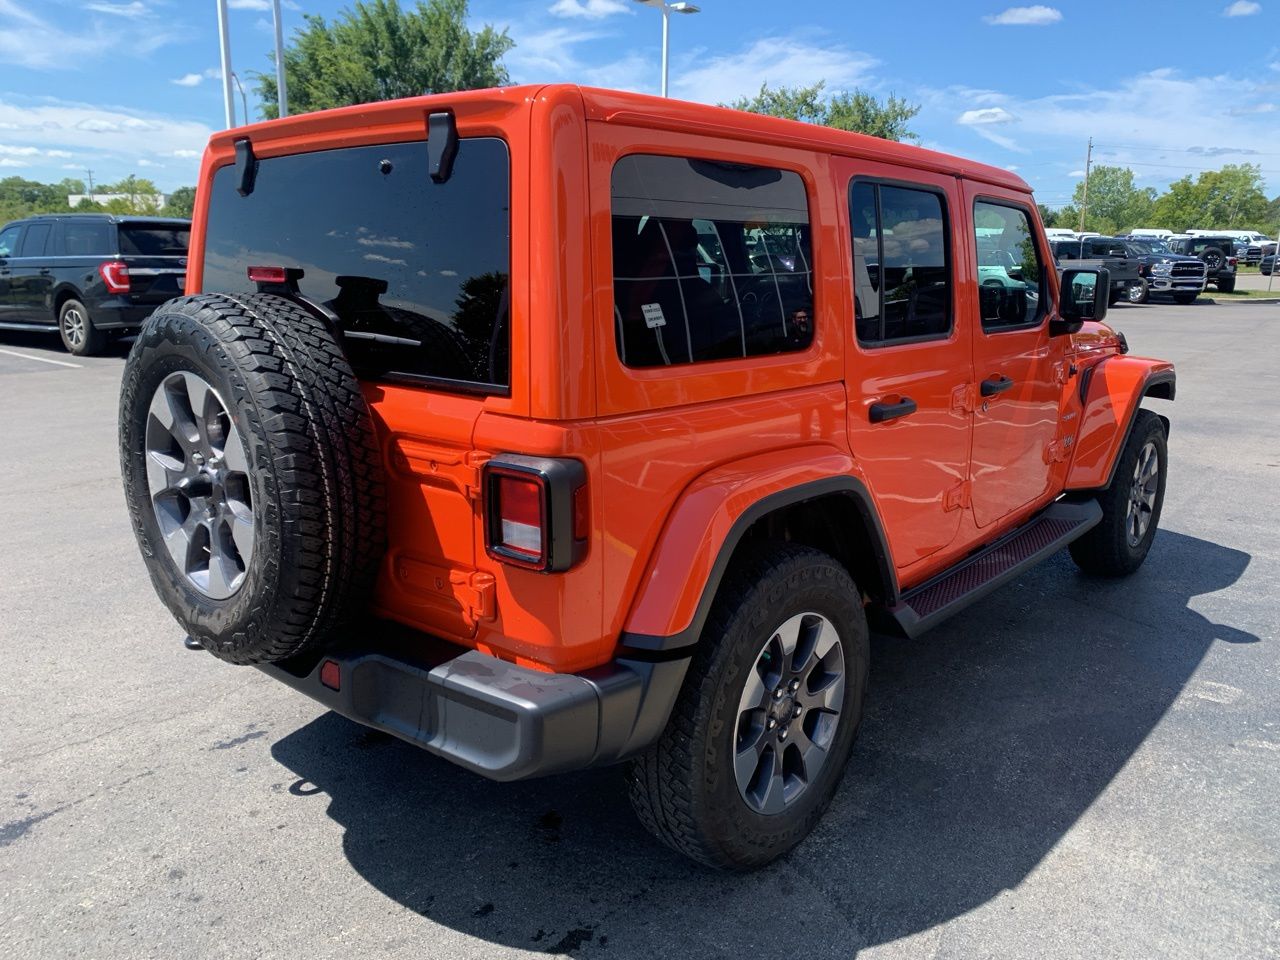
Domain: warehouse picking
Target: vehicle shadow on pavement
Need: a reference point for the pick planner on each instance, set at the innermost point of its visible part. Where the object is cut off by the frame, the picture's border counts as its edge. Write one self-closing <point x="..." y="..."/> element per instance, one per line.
<point x="982" y="745"/>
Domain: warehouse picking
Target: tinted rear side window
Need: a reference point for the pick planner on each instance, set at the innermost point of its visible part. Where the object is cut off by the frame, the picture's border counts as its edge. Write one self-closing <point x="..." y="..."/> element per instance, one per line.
<point x="85" y="238"/>
<point x="154" y="241"/>
<point x="417" y="271"/>
<point x="711" y="261"/>
<point x="901" y="263"/>
<point x="35" y="243"/>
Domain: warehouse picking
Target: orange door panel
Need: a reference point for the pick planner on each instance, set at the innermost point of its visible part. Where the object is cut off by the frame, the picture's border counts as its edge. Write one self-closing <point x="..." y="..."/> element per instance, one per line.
<point x="1016" y="363"/>
<point x="916" y="464"/>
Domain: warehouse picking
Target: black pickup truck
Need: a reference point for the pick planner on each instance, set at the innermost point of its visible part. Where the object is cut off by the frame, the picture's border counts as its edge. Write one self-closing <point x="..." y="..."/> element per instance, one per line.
<point x="1107" y="253"/>
<point x="88" y="276"/>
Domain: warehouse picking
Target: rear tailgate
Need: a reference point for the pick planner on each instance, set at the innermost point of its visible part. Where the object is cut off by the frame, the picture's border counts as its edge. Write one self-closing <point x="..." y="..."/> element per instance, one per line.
<point x="153" y="280"/>
<point x="156" y="254"/>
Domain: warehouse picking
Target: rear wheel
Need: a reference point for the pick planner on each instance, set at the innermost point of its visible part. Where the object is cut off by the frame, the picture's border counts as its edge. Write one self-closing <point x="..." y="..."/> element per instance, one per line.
<point x="251" y="474"/>
<point x="1130" y="506"/>
<point x="1227" y="286"/>
<point x="762" y="730"/>
<point x="79" y="335"/>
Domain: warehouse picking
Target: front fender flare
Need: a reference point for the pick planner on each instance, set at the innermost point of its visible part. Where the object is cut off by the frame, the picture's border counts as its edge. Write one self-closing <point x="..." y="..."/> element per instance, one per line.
<point x="1112" y="392"/>
<point x="711" y="517"/>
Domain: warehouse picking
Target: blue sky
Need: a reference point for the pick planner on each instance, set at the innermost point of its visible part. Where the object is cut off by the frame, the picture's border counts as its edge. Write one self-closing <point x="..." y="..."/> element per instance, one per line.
<point x="1170" y="88"/>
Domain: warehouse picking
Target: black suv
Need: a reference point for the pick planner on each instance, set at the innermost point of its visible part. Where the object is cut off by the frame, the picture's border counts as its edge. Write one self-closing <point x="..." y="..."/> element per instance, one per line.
<point x="1218" y="254"/>
<point x="89" y="275"/>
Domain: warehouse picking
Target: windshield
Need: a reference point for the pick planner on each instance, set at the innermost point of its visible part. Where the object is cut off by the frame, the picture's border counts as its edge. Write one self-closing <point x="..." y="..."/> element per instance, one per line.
<point x="415" y="270"/>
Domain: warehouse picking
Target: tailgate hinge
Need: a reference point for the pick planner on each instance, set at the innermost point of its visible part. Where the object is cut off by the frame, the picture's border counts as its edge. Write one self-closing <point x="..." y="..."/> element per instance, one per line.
<point x="958" y="497"/>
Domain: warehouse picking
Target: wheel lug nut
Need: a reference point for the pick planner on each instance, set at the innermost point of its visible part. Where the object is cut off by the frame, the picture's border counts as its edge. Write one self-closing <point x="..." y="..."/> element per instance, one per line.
<point x="772" y="723"/>
<point x="796" y="713"/>
<point x="783" y="734"/>
<point x="777" y="694"/>
<point x="795" y="685"/>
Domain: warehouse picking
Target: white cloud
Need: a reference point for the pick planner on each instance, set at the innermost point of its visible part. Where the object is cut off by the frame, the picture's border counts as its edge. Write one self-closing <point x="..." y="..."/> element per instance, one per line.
<point x="973" y="118"/>
<point x="777" y="61"/>
<point x="185" y="154"/>
<point x="1242" y="8"/>
<point x="58" y="153"/>
<point x="1076" y="173"/>
<point x="10" y="162"/>
<point x="589" y="9"/>
<point x="188" y="80"/>
<point x="1037" y="16"/>
<point x="18" y="151"/>
<point x="56" y="125"/>
<point x="144" y="162"/>
<point x="28" y="40"/>
<point x="259" y="5"/>
<point x="134" y="9"/>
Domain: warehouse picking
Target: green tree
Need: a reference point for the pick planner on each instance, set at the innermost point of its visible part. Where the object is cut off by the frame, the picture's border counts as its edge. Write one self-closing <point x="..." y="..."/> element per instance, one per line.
<point x="1047" y="216"/>
<point x="857" y="111"/>
<point x="1115" y="204"/>
<point x="1229" y="199"/>
<point x="378" y="51"/>
<point x="181" y="203"/>
<point x="20" y="197"/>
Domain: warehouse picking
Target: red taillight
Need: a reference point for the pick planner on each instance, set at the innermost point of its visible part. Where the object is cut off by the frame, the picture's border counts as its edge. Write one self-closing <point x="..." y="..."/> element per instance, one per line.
<point x="521" y="517"/>
<point x="115" y="274"/>
<point x="268" y="274"/>
<point x="1233" y="260"/>
<point x="331" y="674"/>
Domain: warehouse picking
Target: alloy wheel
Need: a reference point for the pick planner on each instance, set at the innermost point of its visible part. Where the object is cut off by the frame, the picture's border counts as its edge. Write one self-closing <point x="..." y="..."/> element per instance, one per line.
<point x="73" y="327"/>
<point x="1142" y="494"/>
<point x="788" y="713"/>
<point x="197" y="472"/>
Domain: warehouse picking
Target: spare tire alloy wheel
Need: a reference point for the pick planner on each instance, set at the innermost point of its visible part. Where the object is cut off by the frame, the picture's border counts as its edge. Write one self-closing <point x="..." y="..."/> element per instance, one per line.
<point x="197" y="472"/>
<point x="1213" y="258"/>
<point x="788" y="713"/>
<point x="252" y="475"/>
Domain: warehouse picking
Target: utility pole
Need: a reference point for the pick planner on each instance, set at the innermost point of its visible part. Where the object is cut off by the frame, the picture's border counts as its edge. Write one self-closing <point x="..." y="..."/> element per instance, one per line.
<point x="1088" y="164"/>
<point x="228" y="95"/>
<point x="90" y="173"/>
<point x="282" y="96"/>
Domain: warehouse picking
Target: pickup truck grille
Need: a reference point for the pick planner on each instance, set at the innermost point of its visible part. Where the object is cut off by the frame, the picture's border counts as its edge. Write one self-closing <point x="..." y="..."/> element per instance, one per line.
<point x="1196" y="270"/>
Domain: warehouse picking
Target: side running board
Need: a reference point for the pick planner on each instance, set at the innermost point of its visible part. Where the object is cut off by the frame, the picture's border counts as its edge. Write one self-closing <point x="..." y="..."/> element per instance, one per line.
<point x="927" y="605"/>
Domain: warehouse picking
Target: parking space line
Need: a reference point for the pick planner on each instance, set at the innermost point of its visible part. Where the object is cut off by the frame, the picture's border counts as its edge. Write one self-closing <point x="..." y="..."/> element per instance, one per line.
<point x="27" y="356"/>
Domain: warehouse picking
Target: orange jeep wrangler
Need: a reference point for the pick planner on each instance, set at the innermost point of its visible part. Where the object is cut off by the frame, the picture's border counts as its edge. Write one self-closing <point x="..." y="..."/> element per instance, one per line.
<point x="552" y="427"/>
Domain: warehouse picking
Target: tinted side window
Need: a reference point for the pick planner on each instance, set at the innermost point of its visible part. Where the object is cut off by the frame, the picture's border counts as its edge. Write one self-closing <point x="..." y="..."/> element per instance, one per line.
<point x="711" y="261"/>
<point x="1011" y="275"/>
<point x="154" y="241"/>
<point x="902" y="263"/>
<point x="84" y="238"/>
<point x="417" y="271"/>
<point x="9" y="241"/>
<point x="33" y="244"/>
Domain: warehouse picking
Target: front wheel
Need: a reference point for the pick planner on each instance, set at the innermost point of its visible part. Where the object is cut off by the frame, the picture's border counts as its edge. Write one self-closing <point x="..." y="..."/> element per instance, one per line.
<point x="79" y="335"/>
<point x="760" y="734"/>
<point x="1130" y="505"/>
<point x="1138" y="292"/>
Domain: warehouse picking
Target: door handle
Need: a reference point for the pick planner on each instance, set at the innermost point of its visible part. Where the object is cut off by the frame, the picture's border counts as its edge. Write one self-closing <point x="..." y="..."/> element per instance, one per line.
<point x="881" y="412"/>
<point x="45" y="271"/>
<point x="993" y="385"/>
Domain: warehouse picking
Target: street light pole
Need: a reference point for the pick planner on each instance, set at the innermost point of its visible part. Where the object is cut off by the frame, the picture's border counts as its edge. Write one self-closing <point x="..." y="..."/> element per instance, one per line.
<point x="282" y="96"/>
<point x="667" y="9"/>
<point x="228" y="96"/>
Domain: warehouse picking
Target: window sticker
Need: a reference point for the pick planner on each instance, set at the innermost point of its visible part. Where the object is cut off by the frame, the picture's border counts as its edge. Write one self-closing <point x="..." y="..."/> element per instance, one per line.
<point x="653" y="315"/>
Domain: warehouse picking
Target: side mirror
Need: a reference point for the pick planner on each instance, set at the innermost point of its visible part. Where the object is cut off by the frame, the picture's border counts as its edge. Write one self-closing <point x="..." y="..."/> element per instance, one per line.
<point x="1085" y="295"/>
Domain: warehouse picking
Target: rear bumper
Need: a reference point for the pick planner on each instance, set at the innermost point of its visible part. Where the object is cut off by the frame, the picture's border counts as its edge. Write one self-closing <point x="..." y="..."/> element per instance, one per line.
<point x="495" y="718"/>
<point x="119" y="314"/>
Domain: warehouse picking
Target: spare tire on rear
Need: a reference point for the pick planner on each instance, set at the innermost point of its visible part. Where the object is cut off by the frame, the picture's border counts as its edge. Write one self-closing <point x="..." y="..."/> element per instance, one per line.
<point x="252" y="474"/>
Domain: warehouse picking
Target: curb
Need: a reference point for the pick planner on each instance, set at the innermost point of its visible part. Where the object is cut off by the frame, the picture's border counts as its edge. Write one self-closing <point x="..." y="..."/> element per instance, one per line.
<point x="1245" y="300"/>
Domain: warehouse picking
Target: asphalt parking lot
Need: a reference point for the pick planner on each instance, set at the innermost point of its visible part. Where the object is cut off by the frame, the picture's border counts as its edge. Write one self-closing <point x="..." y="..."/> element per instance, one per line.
<point x="1070" y="768"/>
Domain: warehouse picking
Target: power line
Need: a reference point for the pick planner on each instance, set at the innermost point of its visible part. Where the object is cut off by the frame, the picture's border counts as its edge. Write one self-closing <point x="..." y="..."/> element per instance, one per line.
<point x="1198" y="152"/>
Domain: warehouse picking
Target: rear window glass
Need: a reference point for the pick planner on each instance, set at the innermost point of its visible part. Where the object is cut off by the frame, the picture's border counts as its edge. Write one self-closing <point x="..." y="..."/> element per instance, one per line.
<point x="416" y="271"/>
<point x="154" y="241"/>
<point x="86" y="238"/>
<point x="711" y="261"/>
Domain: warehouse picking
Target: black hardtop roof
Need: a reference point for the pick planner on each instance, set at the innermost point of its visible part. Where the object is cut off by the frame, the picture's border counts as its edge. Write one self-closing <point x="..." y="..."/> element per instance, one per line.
<point x="107" y="217"/>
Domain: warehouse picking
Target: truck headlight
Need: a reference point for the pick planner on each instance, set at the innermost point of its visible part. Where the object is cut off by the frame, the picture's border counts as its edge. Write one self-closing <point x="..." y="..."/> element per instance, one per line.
<point x="1161" y="269"/>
